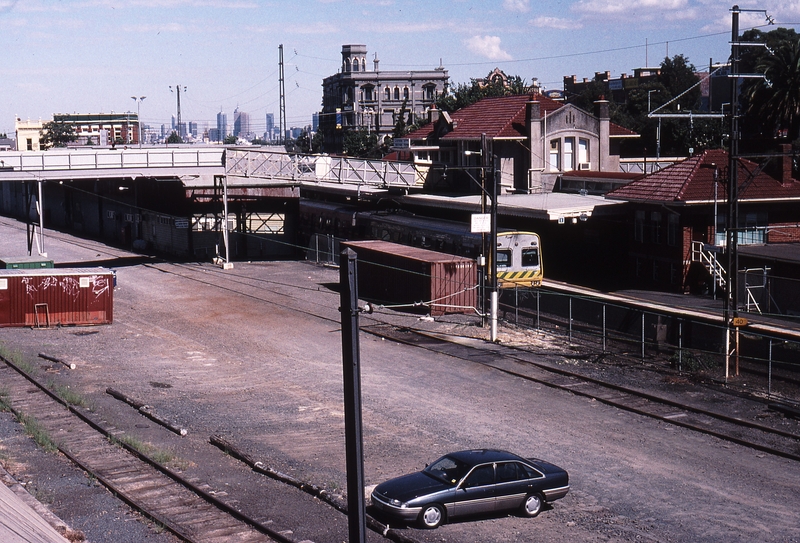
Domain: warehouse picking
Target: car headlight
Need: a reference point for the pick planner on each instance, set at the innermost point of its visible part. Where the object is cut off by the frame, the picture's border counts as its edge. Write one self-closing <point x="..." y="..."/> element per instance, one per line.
<point x="396" y="503"/>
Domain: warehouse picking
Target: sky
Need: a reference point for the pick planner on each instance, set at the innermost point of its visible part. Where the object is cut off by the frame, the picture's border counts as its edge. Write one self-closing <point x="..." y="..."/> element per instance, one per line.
<point x="93" y="56"/>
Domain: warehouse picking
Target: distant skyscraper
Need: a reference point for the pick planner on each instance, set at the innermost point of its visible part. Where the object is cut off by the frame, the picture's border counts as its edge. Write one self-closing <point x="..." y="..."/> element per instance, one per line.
<point x="314" y="121"/>
<point x="174" y="122"/>
<point x="222" y="125"/>
<point x="270" y="126"/>
<point x="193" y="129"/>
<point x="241" y="124"/>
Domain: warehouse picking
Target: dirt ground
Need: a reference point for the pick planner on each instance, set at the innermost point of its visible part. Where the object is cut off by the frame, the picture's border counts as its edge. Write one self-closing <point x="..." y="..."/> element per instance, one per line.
<point x="254" y="354"/>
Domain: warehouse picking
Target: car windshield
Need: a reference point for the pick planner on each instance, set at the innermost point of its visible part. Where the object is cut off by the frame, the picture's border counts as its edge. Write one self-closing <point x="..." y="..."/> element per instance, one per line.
<point x="447" y="469"/>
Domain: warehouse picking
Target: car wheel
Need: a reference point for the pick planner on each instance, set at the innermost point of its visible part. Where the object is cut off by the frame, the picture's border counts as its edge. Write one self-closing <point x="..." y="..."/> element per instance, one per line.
<point x="532" y="505"/>
<point x="431" y="516"/>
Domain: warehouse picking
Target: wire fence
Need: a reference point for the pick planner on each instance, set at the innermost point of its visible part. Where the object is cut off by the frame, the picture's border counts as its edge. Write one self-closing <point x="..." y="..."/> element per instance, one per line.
<point x="688" y="345"/>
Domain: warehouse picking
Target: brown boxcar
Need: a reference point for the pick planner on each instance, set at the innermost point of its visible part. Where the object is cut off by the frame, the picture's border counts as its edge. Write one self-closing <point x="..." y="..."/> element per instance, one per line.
<point x="50" y="297"/>
<point x="392" y="274"/>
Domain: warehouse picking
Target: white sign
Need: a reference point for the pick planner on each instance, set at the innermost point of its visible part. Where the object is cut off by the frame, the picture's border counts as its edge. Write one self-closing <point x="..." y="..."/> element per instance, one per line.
<point x="481" y="223"/>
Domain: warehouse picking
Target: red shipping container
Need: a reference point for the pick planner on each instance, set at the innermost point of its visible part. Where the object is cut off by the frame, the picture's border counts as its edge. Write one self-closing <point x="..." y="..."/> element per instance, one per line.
<point x="390" y="274"/>
<point x="51" y="297"/>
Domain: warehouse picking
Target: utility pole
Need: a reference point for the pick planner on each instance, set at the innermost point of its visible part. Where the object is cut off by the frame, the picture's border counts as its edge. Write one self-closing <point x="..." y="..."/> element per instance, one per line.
<point x="282" y="106"/>
<point x="731" y="306"/>
<point x="178" y="90"/>
<point x="354" y="442"/>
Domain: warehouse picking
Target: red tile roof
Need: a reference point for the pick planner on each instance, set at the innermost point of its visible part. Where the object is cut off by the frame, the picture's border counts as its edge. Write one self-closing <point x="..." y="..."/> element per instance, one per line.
<point x="499" y="117"/>
<point x="692" y="181"/>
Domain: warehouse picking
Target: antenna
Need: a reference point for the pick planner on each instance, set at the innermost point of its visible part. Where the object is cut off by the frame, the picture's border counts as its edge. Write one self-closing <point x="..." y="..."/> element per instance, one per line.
<point x="282" y="107"/>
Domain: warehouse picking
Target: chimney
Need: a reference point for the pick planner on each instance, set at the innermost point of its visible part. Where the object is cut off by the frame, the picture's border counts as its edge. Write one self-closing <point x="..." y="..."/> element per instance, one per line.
<point x="433" y="114"/>
<point x="786" y="164"/>
<point x="601" y="110"/>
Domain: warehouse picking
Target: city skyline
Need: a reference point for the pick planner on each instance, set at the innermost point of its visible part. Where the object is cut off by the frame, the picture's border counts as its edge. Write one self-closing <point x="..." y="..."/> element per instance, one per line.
<point x="92" y="56"/>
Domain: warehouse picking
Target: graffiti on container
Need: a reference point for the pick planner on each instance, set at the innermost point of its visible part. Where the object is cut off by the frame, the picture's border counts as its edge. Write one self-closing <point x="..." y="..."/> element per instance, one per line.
<point x="99" y="285"/>
<point x="69" y="285"/>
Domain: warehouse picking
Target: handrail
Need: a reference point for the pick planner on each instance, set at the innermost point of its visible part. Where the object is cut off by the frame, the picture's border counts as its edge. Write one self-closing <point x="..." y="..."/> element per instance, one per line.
<point x="709" y="261"/>
<point x="96" y="159"/>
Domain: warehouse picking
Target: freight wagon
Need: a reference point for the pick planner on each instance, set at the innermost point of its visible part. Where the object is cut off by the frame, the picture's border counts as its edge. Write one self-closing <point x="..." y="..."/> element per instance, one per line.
<point x="417" y="279"/>
<point x="56" y="297"/>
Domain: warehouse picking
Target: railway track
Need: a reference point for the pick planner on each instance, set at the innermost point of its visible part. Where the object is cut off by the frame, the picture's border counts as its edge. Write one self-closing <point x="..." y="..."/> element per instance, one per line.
<point x="164" y="496"/>
<point x="519" y="363"/>
<point x="537" y="369"/>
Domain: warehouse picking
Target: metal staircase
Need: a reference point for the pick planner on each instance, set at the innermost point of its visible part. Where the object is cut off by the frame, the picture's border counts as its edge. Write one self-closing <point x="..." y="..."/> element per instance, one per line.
<point x="707" y="256"/>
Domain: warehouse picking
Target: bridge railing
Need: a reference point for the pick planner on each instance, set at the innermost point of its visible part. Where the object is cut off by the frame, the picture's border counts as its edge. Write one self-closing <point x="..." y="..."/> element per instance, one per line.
<point x="97" y="159"/>
<point x="323" y="169"/>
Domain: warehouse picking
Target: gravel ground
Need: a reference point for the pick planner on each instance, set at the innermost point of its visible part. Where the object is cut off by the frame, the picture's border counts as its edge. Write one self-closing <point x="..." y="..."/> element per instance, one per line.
<point x="263" y="369"/>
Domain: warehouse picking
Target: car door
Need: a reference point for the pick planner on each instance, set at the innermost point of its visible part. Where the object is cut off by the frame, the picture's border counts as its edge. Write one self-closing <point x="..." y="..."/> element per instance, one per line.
<point x="476" y="493"/>
<point x="513" y="484"/>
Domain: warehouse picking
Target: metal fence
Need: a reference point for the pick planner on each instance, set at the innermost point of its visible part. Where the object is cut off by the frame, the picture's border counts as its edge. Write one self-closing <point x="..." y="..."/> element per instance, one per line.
<point x="686" y="344"/>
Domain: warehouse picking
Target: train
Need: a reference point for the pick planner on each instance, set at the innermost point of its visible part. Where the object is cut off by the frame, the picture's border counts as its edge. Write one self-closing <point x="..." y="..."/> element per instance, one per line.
<point x="519" y="256"/>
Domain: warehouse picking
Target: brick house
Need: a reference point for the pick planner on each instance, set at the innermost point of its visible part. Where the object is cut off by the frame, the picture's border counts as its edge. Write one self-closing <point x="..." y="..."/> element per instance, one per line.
<point x="678" y="212"/>
<point x="536" y="140"/>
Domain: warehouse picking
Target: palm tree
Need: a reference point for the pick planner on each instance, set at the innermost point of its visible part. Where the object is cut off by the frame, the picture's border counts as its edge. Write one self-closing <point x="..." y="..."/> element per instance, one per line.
<point x="776" y="101"/>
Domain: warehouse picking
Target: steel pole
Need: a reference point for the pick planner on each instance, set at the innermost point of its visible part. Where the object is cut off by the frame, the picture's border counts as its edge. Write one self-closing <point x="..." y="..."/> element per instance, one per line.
<point x="354" y="445"/>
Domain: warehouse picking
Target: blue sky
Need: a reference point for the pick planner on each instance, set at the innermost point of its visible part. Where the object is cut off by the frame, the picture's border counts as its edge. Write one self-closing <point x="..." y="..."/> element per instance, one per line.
<point x="91" y="56"/>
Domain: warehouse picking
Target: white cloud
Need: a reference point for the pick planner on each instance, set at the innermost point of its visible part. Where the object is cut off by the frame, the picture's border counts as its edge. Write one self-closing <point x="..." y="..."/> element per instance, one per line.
<point x="634" y="8"/>
<point x="556" y="23"/>
<point x="520" y="6"/>
<point x="487" y="46"/>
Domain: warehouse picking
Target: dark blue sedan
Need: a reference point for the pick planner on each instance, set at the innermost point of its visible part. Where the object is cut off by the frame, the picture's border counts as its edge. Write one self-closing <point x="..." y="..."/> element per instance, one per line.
<point x="471" y="482"/>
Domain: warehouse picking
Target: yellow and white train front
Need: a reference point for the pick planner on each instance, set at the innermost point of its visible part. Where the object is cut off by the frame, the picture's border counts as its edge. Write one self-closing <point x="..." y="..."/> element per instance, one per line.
<point x="519" y="260"/>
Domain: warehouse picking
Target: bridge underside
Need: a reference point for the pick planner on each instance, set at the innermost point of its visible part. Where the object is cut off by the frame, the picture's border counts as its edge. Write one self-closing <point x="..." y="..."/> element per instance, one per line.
<point x="161" y="215"/>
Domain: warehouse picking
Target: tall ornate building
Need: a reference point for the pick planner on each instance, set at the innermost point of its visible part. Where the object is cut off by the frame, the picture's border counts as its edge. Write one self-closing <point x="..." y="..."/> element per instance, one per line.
<point x="356" y="98"/>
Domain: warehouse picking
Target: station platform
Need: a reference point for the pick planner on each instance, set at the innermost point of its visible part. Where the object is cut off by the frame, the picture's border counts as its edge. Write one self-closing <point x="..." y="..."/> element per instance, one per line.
<point x="22" y="518"/>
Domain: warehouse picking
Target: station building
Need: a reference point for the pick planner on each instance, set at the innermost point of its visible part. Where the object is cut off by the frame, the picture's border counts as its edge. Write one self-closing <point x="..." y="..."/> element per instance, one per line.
<point x="356" y="98"/>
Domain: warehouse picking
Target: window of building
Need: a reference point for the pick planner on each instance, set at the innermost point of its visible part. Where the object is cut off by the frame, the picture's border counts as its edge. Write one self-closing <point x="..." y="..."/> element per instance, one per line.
<point x="555" y="155"/>
<point x="29" y="143"/>
<point x="405" y="93"/>
<point x="397" y="93"/>
<point x="388" y="93"/>
<point x="569" y="154"/>
<point x="368" y="94"/>
<point x="347" y="65"/>
<point x="355" y="65"/>
<point x="673" y="229"/>
<point x="655" y="227"/>
<point x="583" y="151"/>
<point x="429" y="91"/>
<point x="638" y="227"/>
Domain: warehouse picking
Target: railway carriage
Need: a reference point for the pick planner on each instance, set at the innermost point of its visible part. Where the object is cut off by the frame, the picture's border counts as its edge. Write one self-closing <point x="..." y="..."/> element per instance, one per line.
<point x="519" y="260"/>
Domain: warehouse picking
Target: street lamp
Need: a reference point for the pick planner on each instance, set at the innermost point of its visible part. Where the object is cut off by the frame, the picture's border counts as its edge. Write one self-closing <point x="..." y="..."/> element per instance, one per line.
<point x="138" y="101"/>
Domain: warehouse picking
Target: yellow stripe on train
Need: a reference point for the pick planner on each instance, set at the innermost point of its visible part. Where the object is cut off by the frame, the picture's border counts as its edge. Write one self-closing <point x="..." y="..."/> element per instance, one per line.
<point x="519" y="279"/>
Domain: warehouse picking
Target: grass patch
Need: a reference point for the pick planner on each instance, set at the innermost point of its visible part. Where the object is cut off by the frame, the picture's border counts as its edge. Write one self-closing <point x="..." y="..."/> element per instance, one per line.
<point x="15" y="356"/>
<point x="159" y="456"/>
<point x="38" y="432"/>
<point x="68" y="395"/>
<point x="5" y="400"/>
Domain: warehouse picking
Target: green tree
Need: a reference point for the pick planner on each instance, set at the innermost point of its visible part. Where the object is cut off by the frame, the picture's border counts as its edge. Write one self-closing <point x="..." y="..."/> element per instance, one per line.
<point x="361" y="143"/>
<point x="229" y="140"/>
<point x="174" y="138"/>
<point x="773" y="104"/>
<point x="477" y="89"/>
<point x="57" y="134"/>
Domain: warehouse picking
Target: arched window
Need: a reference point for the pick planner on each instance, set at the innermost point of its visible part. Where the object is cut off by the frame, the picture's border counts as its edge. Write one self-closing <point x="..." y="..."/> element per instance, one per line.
<point x="346" y="65"/>
<point x="355" y="65"/>
<point x="388" y="93"/>
<point x="405" y="93"/>
<point x="397" y="93"/>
